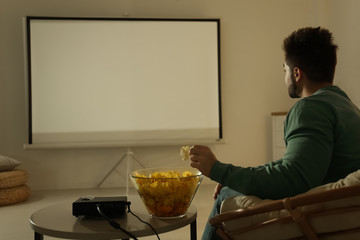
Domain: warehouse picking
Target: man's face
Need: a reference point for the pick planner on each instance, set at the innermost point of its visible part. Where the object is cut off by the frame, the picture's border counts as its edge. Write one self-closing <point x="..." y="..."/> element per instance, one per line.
<point x="290" y="82"/>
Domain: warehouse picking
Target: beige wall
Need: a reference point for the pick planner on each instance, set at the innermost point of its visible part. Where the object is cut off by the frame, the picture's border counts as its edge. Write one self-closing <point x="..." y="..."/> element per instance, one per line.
<point x="344" y="20"/>
<point x="252" y="78"/>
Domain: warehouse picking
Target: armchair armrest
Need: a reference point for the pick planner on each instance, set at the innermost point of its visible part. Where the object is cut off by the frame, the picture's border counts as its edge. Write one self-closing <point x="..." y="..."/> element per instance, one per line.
<point x="298" y="209"/>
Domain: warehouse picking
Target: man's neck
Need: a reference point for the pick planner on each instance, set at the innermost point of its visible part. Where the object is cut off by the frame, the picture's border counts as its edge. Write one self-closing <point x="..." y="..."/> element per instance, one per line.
<point x="310" y="89"/>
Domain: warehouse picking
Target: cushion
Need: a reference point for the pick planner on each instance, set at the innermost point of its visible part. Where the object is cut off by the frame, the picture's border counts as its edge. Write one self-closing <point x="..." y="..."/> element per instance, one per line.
<point x="13" y="178"/>
<point x="286" y="231"/>
<point x="7" y="163"/>
<point x="14" y="195"/>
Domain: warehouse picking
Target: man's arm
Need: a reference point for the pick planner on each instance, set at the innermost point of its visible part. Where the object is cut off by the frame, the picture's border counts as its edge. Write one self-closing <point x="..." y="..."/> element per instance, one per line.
<point x="309" y="138"/>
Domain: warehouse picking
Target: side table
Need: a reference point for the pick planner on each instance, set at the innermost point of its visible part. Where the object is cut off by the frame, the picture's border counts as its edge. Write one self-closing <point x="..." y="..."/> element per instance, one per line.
<point x="57" y="221"/>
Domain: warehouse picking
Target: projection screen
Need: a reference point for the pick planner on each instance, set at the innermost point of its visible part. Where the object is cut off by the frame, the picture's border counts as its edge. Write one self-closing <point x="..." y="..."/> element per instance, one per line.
<point x="128" y="82"/>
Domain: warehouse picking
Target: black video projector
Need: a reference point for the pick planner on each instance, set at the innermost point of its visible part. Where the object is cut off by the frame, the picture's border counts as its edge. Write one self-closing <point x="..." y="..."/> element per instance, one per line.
<point x="110" y="206"/>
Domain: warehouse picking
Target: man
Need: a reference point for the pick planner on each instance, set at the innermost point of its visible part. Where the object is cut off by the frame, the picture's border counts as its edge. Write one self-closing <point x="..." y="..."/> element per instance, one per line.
<point x="322" y="131"/>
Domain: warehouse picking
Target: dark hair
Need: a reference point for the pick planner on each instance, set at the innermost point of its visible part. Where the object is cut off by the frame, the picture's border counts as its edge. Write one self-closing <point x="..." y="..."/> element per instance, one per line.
<point x="313" y="51"/>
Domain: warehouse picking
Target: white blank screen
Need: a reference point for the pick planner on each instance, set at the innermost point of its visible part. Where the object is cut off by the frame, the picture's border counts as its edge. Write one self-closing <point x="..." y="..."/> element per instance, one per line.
<point x="124" y="81"/>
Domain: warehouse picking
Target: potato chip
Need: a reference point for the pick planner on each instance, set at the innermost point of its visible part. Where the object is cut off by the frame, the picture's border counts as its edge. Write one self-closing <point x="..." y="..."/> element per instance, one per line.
<point x="185" y="153"/>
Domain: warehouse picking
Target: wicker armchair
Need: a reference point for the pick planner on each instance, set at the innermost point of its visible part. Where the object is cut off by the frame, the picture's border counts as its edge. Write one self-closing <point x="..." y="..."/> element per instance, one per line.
<point x="331" y="211"/>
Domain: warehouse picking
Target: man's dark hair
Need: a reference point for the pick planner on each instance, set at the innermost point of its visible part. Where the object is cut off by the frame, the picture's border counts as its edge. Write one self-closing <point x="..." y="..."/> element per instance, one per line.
<point x="313" y="51"/>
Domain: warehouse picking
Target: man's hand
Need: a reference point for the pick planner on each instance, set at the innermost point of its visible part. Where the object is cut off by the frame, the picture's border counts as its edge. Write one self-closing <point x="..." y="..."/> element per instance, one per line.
<point x="202" y="158"/>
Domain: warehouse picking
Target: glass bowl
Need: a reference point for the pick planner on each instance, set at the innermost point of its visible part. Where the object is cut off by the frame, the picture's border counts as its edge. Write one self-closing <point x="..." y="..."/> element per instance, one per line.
<point x="166" y="192"/>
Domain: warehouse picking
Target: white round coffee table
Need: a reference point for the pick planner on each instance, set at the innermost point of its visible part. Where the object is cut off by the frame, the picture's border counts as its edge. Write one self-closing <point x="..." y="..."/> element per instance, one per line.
<point x="57" y="221"/>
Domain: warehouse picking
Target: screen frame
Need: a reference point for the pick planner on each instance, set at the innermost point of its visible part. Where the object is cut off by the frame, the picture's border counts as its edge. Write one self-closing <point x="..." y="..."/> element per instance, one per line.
<point x="31" y="144"/>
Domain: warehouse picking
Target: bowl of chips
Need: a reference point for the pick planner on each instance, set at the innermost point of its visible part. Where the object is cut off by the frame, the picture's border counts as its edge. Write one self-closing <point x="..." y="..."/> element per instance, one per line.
<point x="166" y="193"/>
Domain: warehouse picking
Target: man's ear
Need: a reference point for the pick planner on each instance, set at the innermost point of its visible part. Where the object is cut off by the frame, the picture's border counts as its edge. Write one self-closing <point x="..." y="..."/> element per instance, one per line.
<point x="298" y="73"/>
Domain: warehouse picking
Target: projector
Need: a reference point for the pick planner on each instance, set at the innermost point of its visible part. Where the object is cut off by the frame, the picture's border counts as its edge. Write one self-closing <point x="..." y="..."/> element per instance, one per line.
<point x="110" y="206"/>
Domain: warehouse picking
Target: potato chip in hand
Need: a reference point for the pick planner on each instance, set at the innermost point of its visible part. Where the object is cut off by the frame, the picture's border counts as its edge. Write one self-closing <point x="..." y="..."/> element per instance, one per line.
<point x="185" y="153"/>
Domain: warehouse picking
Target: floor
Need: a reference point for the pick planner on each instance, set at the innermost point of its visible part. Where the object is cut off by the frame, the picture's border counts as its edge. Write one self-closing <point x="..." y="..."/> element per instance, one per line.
<point x="14" y="219"/>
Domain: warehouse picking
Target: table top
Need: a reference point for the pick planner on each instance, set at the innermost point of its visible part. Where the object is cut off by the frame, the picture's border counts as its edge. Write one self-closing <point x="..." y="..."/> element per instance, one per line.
<point x="58" y="221"/>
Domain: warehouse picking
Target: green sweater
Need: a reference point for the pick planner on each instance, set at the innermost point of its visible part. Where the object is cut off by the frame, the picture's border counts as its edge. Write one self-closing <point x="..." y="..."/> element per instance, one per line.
<point x="322" y="136"/>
